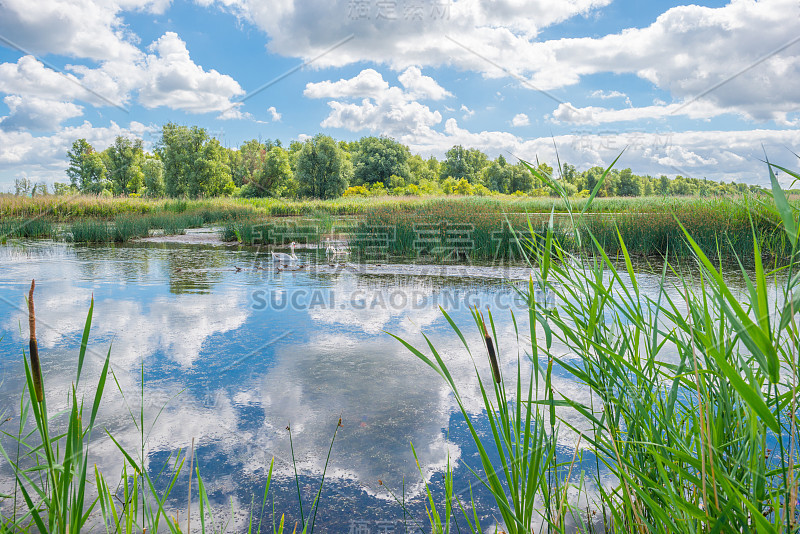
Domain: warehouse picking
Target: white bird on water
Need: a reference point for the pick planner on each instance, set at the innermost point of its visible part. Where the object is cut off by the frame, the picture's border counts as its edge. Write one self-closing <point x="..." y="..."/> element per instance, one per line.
<point x="282" y="256"/>
<point x="332" y="249"/>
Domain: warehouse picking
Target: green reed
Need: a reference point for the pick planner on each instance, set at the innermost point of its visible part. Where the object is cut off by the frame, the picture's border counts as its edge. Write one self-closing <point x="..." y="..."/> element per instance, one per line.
<point x="127" y="227"/>
<point x="692" y="393"/>
<point x="39" y="227"/>
<point x="90" y="231"/>
<point x="52" y="469"/>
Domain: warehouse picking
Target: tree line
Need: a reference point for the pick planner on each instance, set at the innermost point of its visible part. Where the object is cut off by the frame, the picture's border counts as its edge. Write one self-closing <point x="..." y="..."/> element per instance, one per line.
<point x="188" y="162"/>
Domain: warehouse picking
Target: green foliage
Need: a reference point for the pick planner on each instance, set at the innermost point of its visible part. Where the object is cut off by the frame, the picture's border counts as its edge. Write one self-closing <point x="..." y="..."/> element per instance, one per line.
<point x="64" y="189"/>
<point x="628" y="185"/>
<point x="194" y="164"/>
<point x="422" y="170"/>
<point x="247" y="162"/>
<point x="123" y="161"/>
<point x="128" y="227"/>
<point x="692" y="392"/>
<point x="90" y="231"/>
<point x="31" y="228"/>
<point x="379" y="158"/>
<point x="323" y="171"/>
<point x="501" y="177"/>
<point x="50" y="468"/>
<point x="463" y="163"/>
<point x="153" y="170"/>
<point x="87" y="171"/>
<point x="272" y="178"/>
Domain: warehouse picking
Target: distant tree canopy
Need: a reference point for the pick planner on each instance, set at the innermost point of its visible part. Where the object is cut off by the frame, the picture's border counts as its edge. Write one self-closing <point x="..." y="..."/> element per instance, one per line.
<point x="464" y="163"/>
<point x="376" y="159"/>
<point x="323" y="168"/>
<point x="86" y="170"/>
<point x="195" y="165"/>
<point x="187" y="162"/>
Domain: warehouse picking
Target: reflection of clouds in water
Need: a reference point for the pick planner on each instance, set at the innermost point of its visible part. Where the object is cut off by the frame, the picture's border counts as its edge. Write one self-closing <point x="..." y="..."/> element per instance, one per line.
<point x="370" y="308"/>
<point x="385" y="399"/>
<point x="136" y="327"/>
<point x="176" y="326"/>
<point x="347" y="366"/>
<point x="386" y="396"/>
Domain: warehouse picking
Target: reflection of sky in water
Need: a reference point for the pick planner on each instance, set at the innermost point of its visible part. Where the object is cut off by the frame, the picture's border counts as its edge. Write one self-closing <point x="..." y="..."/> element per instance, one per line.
<point x="236" y="356"/>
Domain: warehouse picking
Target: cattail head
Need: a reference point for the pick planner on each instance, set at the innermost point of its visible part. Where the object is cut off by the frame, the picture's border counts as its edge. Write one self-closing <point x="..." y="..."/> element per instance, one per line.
<point x="36" y="370"/>
<point x="490" y="348"/>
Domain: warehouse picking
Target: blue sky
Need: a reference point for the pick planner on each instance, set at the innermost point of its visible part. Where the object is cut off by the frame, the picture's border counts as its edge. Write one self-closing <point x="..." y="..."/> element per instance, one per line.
<point x="689" y="89"/>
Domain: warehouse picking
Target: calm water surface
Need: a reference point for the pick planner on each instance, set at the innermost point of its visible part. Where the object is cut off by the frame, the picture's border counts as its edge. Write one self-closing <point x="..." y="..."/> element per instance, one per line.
<point x="227" y="351"/>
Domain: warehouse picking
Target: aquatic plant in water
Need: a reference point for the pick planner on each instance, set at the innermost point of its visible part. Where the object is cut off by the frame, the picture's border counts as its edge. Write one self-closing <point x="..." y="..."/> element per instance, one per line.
<point x="693" y="394"/>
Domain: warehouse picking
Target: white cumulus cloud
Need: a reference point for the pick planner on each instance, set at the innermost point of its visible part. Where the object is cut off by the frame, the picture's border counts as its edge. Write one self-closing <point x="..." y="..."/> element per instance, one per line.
<point x="742" y="57"/>
<point x="32" y="113"/>
<point x="422" y="87"/>
<point x="520" y="119"/>
<point x="273" y="113"/>
<point x="91" y="29"/>
<point x="387" y="109"/>
<point x="567" y="113"/>
<point x="172" y="79"/>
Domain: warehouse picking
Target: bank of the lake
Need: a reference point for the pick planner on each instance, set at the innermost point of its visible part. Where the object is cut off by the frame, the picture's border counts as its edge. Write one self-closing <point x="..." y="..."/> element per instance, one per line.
<point x="454" y="228"/>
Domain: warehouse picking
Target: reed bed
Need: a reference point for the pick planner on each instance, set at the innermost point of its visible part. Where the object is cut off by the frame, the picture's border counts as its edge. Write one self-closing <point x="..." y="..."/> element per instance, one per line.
<point x="63" y="209"/>
<point x="59" y="490"/>
<point x="648" y="224"/>
<point x="693" y="396"/>
<point x="265" y="231"/>
<point x="455" y="229"/>
<point x="38" y="227"/>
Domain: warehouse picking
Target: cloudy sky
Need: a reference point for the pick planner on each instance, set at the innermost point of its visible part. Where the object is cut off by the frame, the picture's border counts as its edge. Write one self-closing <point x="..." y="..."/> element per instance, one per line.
<point x="692" y="89"/>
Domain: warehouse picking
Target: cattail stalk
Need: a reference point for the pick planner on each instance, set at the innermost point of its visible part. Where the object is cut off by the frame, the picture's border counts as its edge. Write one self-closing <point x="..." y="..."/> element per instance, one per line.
<point x="490" y="350"/>
<point x="189" y="507"/>
<point x="36" y="369"/>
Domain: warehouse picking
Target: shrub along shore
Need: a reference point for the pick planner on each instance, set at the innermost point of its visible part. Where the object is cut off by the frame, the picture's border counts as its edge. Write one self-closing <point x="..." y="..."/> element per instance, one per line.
<point x="476" y="228"/>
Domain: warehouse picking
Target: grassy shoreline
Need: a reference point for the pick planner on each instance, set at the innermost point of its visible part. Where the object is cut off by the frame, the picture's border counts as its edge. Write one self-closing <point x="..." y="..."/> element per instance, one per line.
<point x="693" y="409"/>
<point x="68" y="208"/>
<point x="477" y="228"/>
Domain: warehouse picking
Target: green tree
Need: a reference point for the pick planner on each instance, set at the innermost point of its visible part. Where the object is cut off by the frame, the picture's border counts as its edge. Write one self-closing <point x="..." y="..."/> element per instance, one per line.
<point x="23" y="186"/>
<point x="40" y="189"/>
<point x="86" y="170"/>
<point x="570" y="174"/>
<point x="497" y="176"/>
<point x="194" y="164"/>
<point x="628" y="184"/>
<point x="647" y="183"/>
<point x="179" y="148"/>
<point x="421" y="170"/>
<point x="682" y="186"/>
<point x="124" y="161"/>
<point x="294" y="151"/>
<point x="378" y="158"/>
<point x="521" y="179"/>
<point x="60" y="189"/>
<point x="323" y="171"/>
<point x="153" y="170"/>
<point x="591" y="177"/>
<point x="247" y="162"/>
<point x="463" y="163"/>
<point x="213" y="175"/>
<point x="662" y="186"/>
<point x="273" y="177"/>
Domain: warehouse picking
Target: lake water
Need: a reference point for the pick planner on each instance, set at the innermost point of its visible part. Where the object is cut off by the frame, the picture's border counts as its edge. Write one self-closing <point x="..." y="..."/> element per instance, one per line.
<point x="228" y="351"/>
